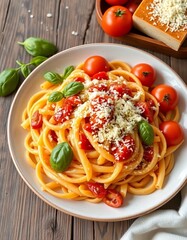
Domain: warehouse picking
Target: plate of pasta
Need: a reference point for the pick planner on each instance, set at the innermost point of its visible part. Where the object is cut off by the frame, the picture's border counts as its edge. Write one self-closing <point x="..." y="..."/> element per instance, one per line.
<point x="99" y="131"/>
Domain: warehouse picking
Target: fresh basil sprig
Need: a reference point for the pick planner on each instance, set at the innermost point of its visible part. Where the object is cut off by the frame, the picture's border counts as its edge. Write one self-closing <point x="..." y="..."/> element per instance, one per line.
<point x="146" y="132"/>
<point x="70" y="90"/>
<point x="53" y="77"/>
<point x="73" y="88"/>
<point x="61" y="157"/>
<point x="55" y="96"/>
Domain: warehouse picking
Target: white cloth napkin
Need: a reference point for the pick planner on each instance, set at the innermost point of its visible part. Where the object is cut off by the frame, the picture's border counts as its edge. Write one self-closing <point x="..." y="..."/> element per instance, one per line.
<point x="161" y="224"/>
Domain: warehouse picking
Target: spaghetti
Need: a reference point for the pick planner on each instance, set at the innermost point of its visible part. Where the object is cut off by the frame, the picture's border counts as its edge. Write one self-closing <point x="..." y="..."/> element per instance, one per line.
<point x="100" y="124"/>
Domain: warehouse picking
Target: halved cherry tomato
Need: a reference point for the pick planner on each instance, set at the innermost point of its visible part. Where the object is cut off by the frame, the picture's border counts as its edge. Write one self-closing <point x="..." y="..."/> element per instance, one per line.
<point x="100" y="76"/>
<point x="97" y="189"/>
<point x="84" y="142"/>
<point x="146" y="110"/>
<point x="145" y="73"/>
<point x="95" y="64"/>
<point x="167" y="97"/>
<point x="125" y="149"/>
<point x="132" y="5"/>
<point x="36" y="120"/>
<point x="173" y="132"/>
<point x="116" y="2"/>
<point x="113" y="198"/>
<point x="117" y="21"/>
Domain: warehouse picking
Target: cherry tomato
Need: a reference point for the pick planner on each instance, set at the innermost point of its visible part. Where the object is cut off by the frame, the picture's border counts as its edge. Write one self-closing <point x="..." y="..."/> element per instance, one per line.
<point x="146" y="110"/>
<point x="117" y="21"/>
<point x="148" y="153"/>
<point x="166" y="96"/>
<point x="113" y="198"/>
<point x="95" y="64"/>
<point x="100" y="76"/>
<point x="145" y="73"/>
<point x="36" y="120"/>
<point x="132" y="5"/>
<point x="116" y="2"/>
<point x="125" y="149"/>
<point x="97" y="189"/>
<point x="173" y="132"/>
<point x="84" y="142"/>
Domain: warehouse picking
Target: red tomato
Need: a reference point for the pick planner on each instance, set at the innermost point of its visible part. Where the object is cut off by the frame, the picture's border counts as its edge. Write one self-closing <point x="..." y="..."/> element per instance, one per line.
<point x="166" y="96"/>
<point x="146" y="110"/>
<point x="173" y="132"/>
<point x="95" y="64"/>
<point x="119" y="90"/>
<point x="79" y="79"/>
<point x="145" y="73"/>
<point x="63" y="113"/>
<point x="125" y="150"/>
<point x="73" y="100"/>
<point x="100" y="76"/>
<point x="116" y="2"/>
<point x="36" y="120"/>
<point x="113" y="198"/>
<point x="148" y="153"/>
<point x="84" y="142"/>
<point x="97" y="189"/>
<point x="117" y="21"/>
<point x="100" y="88"/>
<point x="53" y="136"/>
<point x="132" y="5"/>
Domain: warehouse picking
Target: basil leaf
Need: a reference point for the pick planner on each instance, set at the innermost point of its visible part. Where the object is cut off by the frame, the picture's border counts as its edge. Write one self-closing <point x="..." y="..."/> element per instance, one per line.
<point x="73" y="88"/>
<point x="146" y="132"/>
<point x="68" y="71"/>
<point x="25" y="70"/>
<point x="36" y="61"/>
<point x="53" y="77"/>
<point x="55" y="96"/>
<point x="61" y="157"/>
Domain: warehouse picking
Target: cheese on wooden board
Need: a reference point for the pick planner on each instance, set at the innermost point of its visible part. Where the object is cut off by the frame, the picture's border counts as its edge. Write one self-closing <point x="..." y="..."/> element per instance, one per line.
<point x="164" y="20"/>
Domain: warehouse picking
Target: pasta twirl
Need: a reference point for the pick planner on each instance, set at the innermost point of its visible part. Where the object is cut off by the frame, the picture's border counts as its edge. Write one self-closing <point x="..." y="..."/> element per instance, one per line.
<point x="100" y="123"/>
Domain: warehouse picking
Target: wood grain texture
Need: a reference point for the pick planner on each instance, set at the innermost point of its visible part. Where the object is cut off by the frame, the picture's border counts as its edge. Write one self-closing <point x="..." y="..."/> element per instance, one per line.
<point x="23" y="215"/>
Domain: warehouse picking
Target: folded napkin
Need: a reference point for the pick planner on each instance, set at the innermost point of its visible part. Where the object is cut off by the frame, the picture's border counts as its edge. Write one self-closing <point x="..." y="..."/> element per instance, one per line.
<point x="161" y="224"/>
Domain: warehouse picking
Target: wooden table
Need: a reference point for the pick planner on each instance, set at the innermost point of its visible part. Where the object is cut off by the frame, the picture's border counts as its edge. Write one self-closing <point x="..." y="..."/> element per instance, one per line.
<point x="23" y="215"/>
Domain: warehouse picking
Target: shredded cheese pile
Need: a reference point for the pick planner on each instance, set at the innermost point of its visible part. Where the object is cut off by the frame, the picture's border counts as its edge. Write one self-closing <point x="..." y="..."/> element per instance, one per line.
<point x="172" y="13"/>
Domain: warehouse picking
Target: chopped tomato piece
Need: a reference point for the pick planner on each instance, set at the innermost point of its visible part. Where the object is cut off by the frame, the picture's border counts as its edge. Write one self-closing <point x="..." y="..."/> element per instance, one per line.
<point x="63" y="113"/>
<point x="88" y="127"/>
<point x="113" y="198"/>
<point x="97" y="189"/>
<point x="79" y="79"/>
<point x="120" y="90"/>
<point x="100" y="76"/>
<point x="53" y="136"/>
<point x="36" y="120"/>
<point x="147" y="112"/>
<point x="148" y="153"/>
<point x="125" y="149"/>
<point x="73" y="100"/>
<point x="101" y="88"/>
<point x="84" y="142"/>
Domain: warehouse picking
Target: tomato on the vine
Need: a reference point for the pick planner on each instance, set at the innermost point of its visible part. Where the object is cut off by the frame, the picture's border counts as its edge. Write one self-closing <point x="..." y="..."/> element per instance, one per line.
<point x="167" y="97"/>
<point x="116" y="2"/>
<point x="95" y="64"/>
<point x="145" y="73"/>
<point x="172" y="131"/>
<point x="117" y="21"/>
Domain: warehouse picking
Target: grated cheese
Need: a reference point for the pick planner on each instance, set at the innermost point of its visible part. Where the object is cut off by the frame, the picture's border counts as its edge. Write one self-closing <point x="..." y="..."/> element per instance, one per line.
<point x="171" y="13"/>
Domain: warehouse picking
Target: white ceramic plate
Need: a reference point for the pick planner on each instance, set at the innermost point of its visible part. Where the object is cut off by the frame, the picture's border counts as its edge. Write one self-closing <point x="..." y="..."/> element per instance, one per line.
<point x="134" y="206"/>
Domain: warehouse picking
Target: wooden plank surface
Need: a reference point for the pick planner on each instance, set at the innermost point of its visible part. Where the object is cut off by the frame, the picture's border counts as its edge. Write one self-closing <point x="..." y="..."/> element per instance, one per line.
<point x="23" y="215"/>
